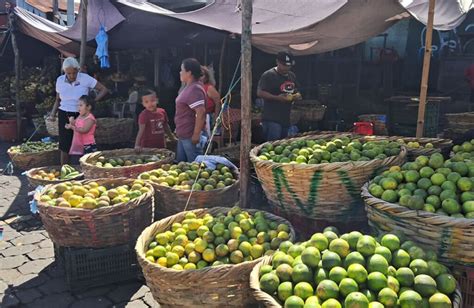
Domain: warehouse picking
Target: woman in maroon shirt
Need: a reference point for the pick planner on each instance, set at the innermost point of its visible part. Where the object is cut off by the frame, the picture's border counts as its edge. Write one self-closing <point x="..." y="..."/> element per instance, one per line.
<point x="190" y="113"/>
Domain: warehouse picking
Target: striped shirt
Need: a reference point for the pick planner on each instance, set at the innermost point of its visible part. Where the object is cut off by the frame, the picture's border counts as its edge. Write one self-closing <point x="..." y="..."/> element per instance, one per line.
<point x="190" y="98"/>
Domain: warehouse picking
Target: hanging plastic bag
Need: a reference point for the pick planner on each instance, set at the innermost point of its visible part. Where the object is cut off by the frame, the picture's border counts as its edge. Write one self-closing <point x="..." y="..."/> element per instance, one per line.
<point x="77" y="147"/>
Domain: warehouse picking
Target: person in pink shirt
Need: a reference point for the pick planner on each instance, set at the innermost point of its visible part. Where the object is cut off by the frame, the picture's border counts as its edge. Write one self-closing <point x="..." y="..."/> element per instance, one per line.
<point x="83" y="141"/>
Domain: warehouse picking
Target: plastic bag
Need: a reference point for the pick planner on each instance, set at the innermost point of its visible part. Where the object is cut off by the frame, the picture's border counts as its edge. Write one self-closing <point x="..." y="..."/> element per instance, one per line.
<point x="77" y="147"/>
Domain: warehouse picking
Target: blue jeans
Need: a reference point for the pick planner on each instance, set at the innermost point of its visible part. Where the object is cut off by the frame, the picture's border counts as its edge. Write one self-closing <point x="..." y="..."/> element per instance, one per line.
<point x="187" y="151"/>
<point x="274" y="131"/>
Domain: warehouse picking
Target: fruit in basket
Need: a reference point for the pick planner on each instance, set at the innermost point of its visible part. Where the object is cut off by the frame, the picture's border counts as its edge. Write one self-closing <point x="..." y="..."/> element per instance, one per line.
<point x="464" y="151"/>
<point x="91" y="195"/>
<point x="229" y="238"/>
<point x="323" y="151"/>
<point x="126" y="160"/>
<point x="187" y="176"/>
<point x="67" y="172"/>
<point x="415" y="144"/>
<point x="431" y="184"/>
<point x="371" y="282"/>
<point x="33" y="147"/>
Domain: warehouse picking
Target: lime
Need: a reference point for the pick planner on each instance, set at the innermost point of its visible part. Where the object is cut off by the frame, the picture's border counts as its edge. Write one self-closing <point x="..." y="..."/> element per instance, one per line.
<point x="375" y="305"/>
<point x="387" y="297"/>
<point x="294" y="302"/>
<point x="416" y="202"/>
<point x="354" y="257"/>
<point x="446" y="283"/>
<point x="376" y="190"/>
<point x="393" y="283"/>
<point x="434" y="201"/>
<point x="439" y="300"/>
<point x="319" y="275"/>
<point x="376" y="281"/>
<point x="356" y="300"/>
<point x="285" y="290"/>
<point x="391" y="241"/>
<point x="269" y="283"/>
<point x="366" y="245"/>
<point x="412" y="176"/>
<point x="311" y="256"/>
<point x="400" y="258"/>
<point x="327" y="289"/>
<point x="385" y="252"/>
<point x="426" y="172"/>
<point x="340" y="246"/>
<point x="357" y="272"/>
<point x="330" y="259"/>
<point x="451" y="206"/>
<point x="435" y="190"/>
<point x="377" y="263"/>
<point x="264" y="270"/>
<point x="410" y="299"/>
<point x="405" y="276"/>
<point x="337" y="273"/>
<point x="347" y="286"/>
<point x="295" y="250"/>
<point x="416" y="252"/>
<point x="301" y="273"/>
<point x="331" y="303"/>
<point x="371" y="296"/>
<point x="425" y="285"/>
<point x="424" y="183"/>
<point x="284" y="272"/>
<point x="389" y="196"/>
<point x="438" y="179"/>
<point x="319" y="241"/>
<point x="468" y="207"/>
<point x="389" y="183"/>
<point x="419" y="266"/>
<point x="312" y="302"/>
<point x="464" y="184"/>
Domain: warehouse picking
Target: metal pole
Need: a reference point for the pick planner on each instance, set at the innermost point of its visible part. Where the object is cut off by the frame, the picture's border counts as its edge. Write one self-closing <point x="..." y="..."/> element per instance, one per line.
<point x="70" y="13"/>
<point x="246" y="103"/>
<point x="82" y="60"/>
<point x="426" y="71"/>
<point x="16" y="52"/>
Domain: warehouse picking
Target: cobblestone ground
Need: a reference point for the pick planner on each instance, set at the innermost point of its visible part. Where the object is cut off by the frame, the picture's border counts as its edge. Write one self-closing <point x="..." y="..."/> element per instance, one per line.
<point x="29" y="275"/>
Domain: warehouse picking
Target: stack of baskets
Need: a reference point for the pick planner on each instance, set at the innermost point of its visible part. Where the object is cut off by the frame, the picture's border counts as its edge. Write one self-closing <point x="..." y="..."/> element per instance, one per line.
<point x="327" y="192"/>
<point x="92" y="171"/>
<point x="221" y="286"/>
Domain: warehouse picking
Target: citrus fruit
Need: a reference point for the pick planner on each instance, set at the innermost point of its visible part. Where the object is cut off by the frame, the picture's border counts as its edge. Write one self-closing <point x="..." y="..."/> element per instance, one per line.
<point x="416" y="202"/>
<point x="366" y="245"/>
<point x="337" y="273"/>
<point x="377" y="263"/>
<point x="426" y="172"/>
<point x="356" y="300"/>
<point x="410" y="299"/>
<point x="330" y="259"/>
<point x="295" y="250"/>
<point x="376" y="305"/>
<point x="385" y="252"/>
<point x="416" y="252"/>
<point x="300" y="273"/>
<point x="312" y="302"/>
<point x="451" y="206"/>
<point x="446" y="283"/>
<point x="320" y="275"/>
<point x="391" y="241"/>
<point x="347" y="286"/>
<point x="264" y="270"/>
<point x="357" y="272"/>
<point x="435" y="268"/>
<point x="389" y="183"/>
<point x="400" y="258"/>
<point x="319" y="241"/>
<point x="303" y="290"/>
<point x="405" y="276"/>
<point x="294" y="302"/>
<point x="393" y="283"/>
<point x="284" y="272"/>
<point x="425" y="285"/>
<point x="387" y="297"/>
<point x="371" y="296"/>
<point x="376" y="281"/>
<point x="269" y="283"/>
<point x="353" y="258"/>
<point x="327" y="289"/>
<point x="419" y="266"/>
<point x="440" y="300"/>
<point x="285" y="290"/>
<point x="331" y="303"/>
<point x="340" y="246"/>
<point x="468" y="207"/>
<point x="389" y="196"/>
<point x="311" y="256"/>
<point x="464" y="184"/>
<point x="438" y="179"/>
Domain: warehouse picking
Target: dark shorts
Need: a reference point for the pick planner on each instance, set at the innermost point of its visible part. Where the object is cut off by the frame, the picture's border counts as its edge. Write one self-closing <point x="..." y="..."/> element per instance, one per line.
<point x="65" y="135"/>
<point x="90" y="148"/>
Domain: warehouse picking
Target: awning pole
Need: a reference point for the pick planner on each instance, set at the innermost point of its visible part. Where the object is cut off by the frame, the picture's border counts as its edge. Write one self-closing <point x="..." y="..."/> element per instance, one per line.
<point x="426" y="71"/>
<point x="16" y="52"/>
<point x="82" y="60"/>
<point x="246" y="102"/>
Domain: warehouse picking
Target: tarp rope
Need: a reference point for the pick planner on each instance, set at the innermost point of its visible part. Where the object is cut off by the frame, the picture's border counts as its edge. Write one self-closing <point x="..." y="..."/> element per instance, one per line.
<point x="225" y="105"/>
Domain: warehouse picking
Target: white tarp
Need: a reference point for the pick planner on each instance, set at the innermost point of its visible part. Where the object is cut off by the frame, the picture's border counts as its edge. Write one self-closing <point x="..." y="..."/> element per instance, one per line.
<point x="314" y="26"/>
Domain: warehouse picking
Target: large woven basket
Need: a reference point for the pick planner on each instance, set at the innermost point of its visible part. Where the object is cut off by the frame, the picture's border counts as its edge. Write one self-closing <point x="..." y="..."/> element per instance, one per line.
<point x="100" y="227"/>
<point x="172" y="201"/>
<point x="266" y="300"/>
<point x="113" y="130"/>
<point x="451" y="238"/>
<point x="220" y="286"/>
<point x="36" y="182"/>
<point x="91" y="171"/>
<point x="26" y="161"/>
<point x="329" y="191"/>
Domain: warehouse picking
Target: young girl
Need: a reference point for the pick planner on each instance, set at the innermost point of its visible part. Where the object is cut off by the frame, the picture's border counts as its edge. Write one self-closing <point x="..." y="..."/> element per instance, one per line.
<point x="83" y="141"/>
<point x="152" y="123"/>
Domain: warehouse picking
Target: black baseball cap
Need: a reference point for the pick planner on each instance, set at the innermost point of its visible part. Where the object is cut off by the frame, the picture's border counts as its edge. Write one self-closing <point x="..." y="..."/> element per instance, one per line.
<point x="286" y="58"/>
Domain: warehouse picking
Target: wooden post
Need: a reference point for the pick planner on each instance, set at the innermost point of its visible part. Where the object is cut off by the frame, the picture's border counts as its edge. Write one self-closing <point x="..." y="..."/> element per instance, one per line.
<point x="246" y="103"/>
<point x="70" y="13"/>
<point x="221" y="64"/>
<point x="56" y="11"/>
<point x="16" y="52"/>
<point x="156" y="62"/>
<point x="426" y="71"/>
<point x="82" y="60"/>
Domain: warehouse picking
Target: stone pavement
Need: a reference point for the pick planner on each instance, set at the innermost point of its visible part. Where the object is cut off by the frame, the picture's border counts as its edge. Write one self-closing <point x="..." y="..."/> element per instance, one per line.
<point x="29" y="275"/>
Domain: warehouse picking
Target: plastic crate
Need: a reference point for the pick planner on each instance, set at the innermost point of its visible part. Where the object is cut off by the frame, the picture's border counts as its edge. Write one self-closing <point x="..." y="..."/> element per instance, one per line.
<point x="91" y="267"/>
<point x="465" y="277"/>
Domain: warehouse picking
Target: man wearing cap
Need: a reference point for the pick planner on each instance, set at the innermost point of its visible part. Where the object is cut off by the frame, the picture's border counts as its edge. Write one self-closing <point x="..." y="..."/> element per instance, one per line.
<point x="278" y="89"/>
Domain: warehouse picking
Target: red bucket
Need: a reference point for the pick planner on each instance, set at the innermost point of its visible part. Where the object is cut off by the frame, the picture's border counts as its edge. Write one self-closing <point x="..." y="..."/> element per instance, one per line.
<point x="8" y="130"/>
<point x="363" y="128"/>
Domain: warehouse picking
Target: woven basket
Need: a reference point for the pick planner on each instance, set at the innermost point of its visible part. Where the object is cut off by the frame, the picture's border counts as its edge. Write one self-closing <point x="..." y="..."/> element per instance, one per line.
<point x="26" y="161"/>
<point x="173" y="201"/>
<point x="310" y="111"/>
<point x="439" y="145"/>
<point x="220" y="286"/>
<point x="113" y="130"/>
<point x="36" y="182"/>
<point x="451" y="238"/>
<point x="329" y="191"/>
<point x="268" y="301"/>
<point x="51" y="126"/>
<point x="101" y="227"/>
<point x="91" y="171"/>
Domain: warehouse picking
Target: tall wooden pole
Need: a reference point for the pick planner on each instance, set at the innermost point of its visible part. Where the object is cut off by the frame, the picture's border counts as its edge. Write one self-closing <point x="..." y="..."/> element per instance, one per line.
<point x="16" y="52"/>
<point x="82" y="60"/>
<point x="426" y="71"/>
<point x="246" y="102"/>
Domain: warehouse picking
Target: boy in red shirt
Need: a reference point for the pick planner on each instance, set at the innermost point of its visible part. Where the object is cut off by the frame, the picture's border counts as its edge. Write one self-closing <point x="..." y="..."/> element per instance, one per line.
<point x="152" y="124"/>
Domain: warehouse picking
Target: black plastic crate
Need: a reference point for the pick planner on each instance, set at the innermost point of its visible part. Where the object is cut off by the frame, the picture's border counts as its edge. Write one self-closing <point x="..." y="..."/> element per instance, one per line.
<point x="92" y="267"/>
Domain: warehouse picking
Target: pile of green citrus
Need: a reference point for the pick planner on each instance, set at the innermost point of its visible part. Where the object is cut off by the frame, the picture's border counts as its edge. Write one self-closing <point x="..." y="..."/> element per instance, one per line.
<point x="464" y="151"/>
<point x="356" y="271"/>
<point x="234" y="238"/>
<point x="184" y="176"/>
<point x="430" y="184"/>
<point x="323" y="151"/>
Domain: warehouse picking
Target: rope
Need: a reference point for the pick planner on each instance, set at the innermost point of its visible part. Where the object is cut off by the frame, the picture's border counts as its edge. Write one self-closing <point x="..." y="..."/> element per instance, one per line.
<point x="225" y="100"/>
